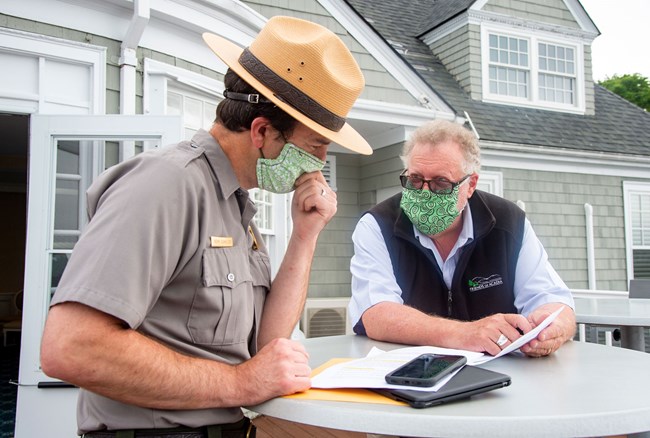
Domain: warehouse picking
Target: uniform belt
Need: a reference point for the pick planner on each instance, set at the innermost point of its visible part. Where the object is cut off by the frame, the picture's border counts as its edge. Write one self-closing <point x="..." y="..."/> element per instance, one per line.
<point x="242" y="429"/>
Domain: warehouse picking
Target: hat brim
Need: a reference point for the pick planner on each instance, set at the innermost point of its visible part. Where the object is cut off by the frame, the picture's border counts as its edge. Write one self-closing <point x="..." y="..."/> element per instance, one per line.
<point x="229" y="53"/>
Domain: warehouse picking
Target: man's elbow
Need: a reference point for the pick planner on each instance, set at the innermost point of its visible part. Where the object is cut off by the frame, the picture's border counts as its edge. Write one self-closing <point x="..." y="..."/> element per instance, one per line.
<point x="58" y="346"/>
<point x="56" y="357"/>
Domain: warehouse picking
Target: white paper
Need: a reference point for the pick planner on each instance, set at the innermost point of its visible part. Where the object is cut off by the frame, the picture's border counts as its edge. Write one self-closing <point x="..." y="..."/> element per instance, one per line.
<point x="524" y="339"/>
<point x="370" y="371"/>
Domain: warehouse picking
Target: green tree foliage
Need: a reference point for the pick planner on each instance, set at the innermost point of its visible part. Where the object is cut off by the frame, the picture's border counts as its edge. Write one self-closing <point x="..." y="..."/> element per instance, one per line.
<point x="633" y="88"/>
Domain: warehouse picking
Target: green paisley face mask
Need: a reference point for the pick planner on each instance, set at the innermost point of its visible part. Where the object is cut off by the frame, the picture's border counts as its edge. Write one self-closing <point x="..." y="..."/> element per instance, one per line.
<point x="279" y="175"/>
<point x="431" y="213"/>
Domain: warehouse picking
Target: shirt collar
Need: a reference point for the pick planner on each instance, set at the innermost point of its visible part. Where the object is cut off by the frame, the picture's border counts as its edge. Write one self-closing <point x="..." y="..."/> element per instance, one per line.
<point x="221" y="166"/>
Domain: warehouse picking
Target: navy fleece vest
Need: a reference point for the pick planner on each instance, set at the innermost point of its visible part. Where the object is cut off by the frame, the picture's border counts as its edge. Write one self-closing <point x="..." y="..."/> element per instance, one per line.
<point x="483" y="283"/>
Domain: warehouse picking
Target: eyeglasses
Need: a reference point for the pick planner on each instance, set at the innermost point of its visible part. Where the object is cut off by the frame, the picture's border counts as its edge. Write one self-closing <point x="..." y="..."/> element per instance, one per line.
<point x="439" y="186"/>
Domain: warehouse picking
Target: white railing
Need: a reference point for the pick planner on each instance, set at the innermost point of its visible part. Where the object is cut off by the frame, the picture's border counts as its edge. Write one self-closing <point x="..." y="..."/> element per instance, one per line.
<point x="594" y="293"/>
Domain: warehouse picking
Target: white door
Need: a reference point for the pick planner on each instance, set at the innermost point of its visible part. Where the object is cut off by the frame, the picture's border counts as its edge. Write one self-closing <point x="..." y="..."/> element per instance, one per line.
<point x="66" y="153"/>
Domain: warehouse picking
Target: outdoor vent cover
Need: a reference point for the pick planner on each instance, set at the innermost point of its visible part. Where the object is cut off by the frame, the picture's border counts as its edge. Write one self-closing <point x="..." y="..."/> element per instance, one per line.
<point x="325" y="317"/>
<point x="329" y="171"/>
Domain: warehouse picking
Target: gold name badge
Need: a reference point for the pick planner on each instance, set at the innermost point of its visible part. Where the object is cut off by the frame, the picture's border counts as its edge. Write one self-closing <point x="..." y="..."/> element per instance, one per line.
<point x="220" y="242"/>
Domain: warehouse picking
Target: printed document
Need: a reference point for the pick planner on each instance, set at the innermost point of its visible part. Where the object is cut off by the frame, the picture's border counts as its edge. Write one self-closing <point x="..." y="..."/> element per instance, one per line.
<point x="370" y="371"/>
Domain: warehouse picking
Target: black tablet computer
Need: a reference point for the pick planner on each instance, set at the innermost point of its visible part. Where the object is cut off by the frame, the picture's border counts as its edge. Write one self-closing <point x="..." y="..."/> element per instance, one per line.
<point x="469" y="381"/>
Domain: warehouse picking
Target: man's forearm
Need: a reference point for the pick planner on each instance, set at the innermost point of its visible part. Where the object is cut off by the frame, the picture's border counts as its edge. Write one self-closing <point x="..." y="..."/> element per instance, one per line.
<point x="286" y="299"/>
<point x="94" y="351"/>
<point x="393" y="322"/>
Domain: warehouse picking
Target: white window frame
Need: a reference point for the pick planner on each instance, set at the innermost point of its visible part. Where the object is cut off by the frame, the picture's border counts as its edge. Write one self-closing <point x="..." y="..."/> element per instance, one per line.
<point x="491" y="181"/>
<point x="629" y="188"/>
<point x="533" y="100"/>
<point x="44" y="48"/>
<point x="156" y="81"/>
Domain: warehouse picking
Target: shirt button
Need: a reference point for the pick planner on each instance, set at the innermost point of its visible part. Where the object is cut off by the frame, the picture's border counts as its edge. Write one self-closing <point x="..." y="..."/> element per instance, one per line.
<point x="231" y="277"/>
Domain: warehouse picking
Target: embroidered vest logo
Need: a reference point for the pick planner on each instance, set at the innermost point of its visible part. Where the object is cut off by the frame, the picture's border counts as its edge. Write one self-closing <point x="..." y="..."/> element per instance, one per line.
<point x="480" y="283"/>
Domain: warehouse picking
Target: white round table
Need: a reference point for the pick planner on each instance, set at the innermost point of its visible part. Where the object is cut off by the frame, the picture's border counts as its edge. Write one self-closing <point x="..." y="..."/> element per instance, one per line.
<point x="582" y="390"/>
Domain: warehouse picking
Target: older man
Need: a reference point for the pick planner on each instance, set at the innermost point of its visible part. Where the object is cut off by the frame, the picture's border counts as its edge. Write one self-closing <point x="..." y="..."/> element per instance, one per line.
<point x="445" y="264"/>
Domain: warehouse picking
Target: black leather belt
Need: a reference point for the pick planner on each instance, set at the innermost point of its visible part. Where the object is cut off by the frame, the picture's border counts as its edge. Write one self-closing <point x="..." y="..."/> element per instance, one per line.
<point x="242" y="429"/>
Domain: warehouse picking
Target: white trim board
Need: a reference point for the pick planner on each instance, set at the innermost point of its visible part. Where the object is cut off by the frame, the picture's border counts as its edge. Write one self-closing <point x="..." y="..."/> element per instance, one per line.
<point x="590" y="163"/>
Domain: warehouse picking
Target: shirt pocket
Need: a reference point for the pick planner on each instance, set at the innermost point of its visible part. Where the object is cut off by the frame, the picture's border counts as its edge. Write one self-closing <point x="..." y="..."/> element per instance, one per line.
<point x="223" y="308"/>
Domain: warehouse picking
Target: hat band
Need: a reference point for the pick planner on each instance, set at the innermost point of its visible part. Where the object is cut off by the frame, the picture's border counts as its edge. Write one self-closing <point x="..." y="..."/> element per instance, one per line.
<point x="286" y="92"/>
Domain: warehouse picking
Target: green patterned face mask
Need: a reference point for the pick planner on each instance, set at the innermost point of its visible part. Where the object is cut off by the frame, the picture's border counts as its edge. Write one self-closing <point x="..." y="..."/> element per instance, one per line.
<point x="279" y="175"/>
<point x="431" y="213"/>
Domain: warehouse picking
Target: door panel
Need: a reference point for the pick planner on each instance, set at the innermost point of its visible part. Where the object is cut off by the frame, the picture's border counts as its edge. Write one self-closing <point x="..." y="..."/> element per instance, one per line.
<point x="66" y="154"/>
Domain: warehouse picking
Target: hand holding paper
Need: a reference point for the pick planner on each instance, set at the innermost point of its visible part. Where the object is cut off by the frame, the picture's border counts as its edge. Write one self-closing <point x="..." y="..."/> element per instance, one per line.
<point x="524" y="339"/>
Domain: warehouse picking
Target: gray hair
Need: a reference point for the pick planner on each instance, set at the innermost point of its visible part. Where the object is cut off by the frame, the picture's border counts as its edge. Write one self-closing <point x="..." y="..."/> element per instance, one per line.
<point x="438" y="131"/>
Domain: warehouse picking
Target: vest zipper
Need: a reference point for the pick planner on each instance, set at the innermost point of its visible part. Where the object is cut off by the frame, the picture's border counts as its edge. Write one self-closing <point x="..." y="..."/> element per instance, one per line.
<point x="449" y="301"/>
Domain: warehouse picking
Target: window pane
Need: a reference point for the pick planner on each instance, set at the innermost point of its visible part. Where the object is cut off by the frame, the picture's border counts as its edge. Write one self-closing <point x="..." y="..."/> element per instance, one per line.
<point x="558" y="89"/>
<point x="264" y="217"/>
<point x="640" y="218"/>
<point x="523" y="46"/>
<point x="209" y="114"/>
<point x="508" y="81"/>
<point x="58" y="262"/>
<point x="644" y="203"/>
<point x="192" y="113"/>
<point x="523" y="91"/>
<point x="66" y="210"/>
<point x="174" y="104"/>
<point x="494" y="55"/>
<point x="111" y="153"/>
<point x="67" y="157"/>
<point x="523" y="60"/>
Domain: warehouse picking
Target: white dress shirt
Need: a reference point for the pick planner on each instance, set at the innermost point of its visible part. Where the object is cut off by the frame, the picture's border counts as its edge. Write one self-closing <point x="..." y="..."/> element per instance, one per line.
<point x="373" y="280"/>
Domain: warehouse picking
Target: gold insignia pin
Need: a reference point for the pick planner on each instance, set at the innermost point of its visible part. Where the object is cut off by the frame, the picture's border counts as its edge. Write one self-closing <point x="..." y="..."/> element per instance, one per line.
<point x="255" y="245"/>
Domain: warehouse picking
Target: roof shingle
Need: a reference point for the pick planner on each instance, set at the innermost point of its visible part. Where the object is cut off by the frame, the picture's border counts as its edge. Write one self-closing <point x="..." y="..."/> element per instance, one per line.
<point x="617" y="126"/>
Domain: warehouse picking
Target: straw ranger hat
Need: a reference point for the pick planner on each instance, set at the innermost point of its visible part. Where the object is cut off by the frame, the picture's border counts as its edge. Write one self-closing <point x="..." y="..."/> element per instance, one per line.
<point x="305" y="70"/>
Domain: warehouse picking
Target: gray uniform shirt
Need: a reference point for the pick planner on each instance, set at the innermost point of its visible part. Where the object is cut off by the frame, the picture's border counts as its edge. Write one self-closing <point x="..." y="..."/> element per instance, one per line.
<point x="171" y="250"/>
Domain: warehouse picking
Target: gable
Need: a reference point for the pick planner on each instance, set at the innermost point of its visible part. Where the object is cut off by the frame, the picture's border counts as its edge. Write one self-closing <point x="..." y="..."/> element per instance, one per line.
<point x="553" y="12"/>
